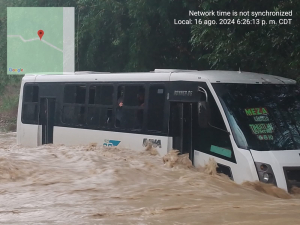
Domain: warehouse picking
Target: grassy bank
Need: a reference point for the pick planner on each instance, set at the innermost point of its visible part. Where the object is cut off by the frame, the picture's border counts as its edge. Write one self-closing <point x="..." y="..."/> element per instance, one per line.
<point x="9" y="106"/>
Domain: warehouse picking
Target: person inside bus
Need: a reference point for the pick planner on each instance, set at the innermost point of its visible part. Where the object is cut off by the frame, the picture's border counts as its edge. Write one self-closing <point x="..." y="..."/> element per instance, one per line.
<point x="140" y="111"/>
<point x="119" y="114"/>
<point x="141" y="98"/>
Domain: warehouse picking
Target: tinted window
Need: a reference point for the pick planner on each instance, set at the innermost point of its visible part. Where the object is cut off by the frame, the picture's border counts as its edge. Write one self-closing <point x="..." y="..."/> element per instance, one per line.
<point x="214" y="139"/>
<point x="130" y="107"/>
<point x="30" y="104"/>
<point x="101" y="94"/>
<point x="262" y="116"/>
<point x="74" y="111"/>
<point x="30" y="113"/>
<point x="156" y="103"/>
<point x="133" y="95"/>
<point x="98" y="116"/>
<point x="68" y="114"/>
<point x="31" y="93"/>
<point x="93" y="116"/>
<point x="75" y="94"/>
<point x="73" y="114"/>
<point x="99" y="113"/>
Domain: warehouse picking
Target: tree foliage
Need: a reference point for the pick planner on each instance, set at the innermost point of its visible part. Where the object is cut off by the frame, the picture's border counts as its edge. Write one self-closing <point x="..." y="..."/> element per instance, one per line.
<point x="272" y="49"/>
<point x="132" y="35"/>
<point x="140" y="35"/>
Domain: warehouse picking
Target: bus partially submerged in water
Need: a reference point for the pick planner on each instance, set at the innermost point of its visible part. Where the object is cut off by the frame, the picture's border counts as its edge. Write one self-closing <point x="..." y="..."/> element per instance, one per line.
<point x="248" y="123"/>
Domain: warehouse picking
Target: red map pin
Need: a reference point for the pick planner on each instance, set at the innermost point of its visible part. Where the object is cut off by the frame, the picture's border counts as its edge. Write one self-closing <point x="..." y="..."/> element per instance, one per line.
<point x="40" y="33"/>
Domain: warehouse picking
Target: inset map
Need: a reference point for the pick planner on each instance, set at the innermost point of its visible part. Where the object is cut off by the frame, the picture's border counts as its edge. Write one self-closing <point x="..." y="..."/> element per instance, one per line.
<point x="40" y="40"/>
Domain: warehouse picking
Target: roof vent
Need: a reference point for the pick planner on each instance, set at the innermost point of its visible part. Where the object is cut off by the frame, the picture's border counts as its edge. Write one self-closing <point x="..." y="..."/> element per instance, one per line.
<point x="88" y="72"/>
<point x="172" y="70"/>
<point x="84" y="72"/>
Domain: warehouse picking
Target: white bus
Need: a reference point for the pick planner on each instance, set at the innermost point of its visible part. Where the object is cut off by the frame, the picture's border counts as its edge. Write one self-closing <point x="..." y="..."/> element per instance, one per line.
<point x="248" y="122"/>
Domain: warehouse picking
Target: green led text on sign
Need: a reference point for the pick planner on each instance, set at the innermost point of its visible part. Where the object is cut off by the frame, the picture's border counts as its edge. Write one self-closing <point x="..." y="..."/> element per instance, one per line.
<point x="261" y="118"/>
<point x="262" y="128"/>
<point x="256" y="111"/>
<point x="265" y="137"/>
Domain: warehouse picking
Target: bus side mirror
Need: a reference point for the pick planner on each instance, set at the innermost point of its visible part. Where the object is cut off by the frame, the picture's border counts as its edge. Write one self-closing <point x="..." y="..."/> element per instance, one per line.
<point x="204" y="115"/>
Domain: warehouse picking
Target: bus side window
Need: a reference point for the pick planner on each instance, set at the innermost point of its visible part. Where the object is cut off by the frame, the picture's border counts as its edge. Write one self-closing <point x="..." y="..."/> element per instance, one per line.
<point x="214" y="141"/>
<point x="156" y="103"/>
<point x="100" y="105"/>
<point x="74" y="104"/>
<point x="30" y="104"/>
<point x="130" y="107"/>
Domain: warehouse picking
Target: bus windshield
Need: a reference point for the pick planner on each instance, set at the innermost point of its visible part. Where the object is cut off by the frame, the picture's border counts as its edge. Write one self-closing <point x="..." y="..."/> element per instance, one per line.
<point x="262" y="116"/>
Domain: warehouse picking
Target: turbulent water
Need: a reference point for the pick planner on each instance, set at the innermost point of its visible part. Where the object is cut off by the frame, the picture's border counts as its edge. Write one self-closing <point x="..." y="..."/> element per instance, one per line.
<point x="94" y="185"/>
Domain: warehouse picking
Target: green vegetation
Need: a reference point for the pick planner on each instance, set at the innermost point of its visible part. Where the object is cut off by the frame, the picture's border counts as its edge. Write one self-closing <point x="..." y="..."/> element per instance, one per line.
<point x="271" y="49"/>
<point x="140" y="35"/>
<point x="9" y="106"/>
<point x="130" y="35"/>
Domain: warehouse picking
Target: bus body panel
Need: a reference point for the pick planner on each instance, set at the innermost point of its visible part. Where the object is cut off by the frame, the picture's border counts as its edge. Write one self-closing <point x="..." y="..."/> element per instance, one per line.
<point x="277" y="160"/>
<point x="137" y="142"/>
<point x="19" y="124"/>
<point x="27" y="135"/>
<point x="242" y="164"/>
<point x="109" y="77"/>
<point x="243" y="157"/>
<point x="243" y="170"/>
<point x="284" y="157"/>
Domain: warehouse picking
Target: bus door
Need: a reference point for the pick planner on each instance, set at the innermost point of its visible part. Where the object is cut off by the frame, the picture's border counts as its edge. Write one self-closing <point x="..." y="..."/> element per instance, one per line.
<point x="46" y="119"/>
<point x="183" y="122"/>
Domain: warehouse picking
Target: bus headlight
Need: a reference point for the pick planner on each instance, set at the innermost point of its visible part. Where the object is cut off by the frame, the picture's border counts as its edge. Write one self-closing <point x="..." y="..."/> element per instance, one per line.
<point x="263" y="167"/>
<point x="265" y="173"/>
<point x="266" y="177"/>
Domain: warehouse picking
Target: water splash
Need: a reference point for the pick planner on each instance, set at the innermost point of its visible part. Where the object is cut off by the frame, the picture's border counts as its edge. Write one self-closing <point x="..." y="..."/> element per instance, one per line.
<point x="108" y="185"/>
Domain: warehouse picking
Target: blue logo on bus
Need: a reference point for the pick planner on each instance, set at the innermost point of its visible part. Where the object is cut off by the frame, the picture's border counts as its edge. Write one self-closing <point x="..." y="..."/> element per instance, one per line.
<point x="111" y="143"/>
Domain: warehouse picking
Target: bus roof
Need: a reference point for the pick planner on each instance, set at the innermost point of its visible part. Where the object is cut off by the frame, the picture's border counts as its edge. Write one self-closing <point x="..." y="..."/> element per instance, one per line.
<point x="213" y="76"/>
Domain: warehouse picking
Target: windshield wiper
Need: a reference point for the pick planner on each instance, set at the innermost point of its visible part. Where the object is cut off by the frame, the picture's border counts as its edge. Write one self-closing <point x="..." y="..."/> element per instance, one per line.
<point x="226" y="131"/>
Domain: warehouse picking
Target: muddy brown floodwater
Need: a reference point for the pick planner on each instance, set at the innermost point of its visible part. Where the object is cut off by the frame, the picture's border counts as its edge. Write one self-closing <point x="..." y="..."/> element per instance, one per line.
<point x="94" y="185"/>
